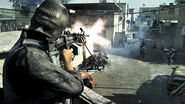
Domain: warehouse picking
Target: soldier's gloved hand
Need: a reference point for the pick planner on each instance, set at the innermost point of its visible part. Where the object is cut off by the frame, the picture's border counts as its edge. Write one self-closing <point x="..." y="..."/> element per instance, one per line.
<point x="81" y="41"/>
<point x="67" y="56"/>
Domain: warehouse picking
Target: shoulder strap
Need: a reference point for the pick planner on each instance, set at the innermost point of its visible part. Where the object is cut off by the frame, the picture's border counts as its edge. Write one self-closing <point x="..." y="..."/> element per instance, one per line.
<point x="34" y="43"/>
<point x="53" y="54"/>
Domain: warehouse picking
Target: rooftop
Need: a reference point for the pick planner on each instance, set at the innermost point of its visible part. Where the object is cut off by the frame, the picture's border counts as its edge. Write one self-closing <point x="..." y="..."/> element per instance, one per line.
<point x="97" y="6"/>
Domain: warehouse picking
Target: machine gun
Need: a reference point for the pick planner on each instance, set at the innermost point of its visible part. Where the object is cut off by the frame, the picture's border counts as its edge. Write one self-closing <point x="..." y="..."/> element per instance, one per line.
<point x="67" y="40"/>
<point x="88" y="96"/>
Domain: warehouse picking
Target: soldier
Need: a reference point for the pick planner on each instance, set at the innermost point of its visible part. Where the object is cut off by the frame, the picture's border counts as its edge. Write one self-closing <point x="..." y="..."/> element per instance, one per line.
<point x="142" y="49"/>
<point x="122" y="41"/>
<point x="174" y="55"/>
<point x="29" y="75"/>
<point x="170" y="57"/>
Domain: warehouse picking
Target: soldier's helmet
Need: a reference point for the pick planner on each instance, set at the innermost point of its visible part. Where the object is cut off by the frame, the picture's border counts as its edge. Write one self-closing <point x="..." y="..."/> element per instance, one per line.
<point x="50" y="18"/>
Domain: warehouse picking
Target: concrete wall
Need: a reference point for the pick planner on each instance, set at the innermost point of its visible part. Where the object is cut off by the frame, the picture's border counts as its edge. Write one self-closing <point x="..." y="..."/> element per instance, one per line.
<point x="146" y="16"/>
<point x="180" y="43"/>
<point x="126" y="25"/>
<point x="168" y="12"/>
<point x="118" y="36"/>
<point x="167" y="37"/>
<point x="119" y="26"/>
<point x="118" y="22"/>
<point x="7" y="40"/>
<point x="170" y="32"/>
<point x="109" y="33"/>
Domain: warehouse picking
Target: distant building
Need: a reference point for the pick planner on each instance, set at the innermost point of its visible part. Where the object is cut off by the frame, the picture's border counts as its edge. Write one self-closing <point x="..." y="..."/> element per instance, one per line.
<point x="171" y="24"/>
<point x="167" y="13"/>
<point x="180" y="30"/>
<point x="5" y="13"/>
<point x="24" y="13"/>
<point x="132" y="20"/>
<point x="25" y="10"/>
<point x="7" y="24"/>
<point x="146" y="15"/>
<point x="113" y="14"/>
<point x="131" y="11"/>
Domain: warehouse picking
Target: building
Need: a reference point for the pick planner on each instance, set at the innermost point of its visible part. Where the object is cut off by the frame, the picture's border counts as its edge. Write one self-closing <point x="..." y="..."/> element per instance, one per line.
<point x="166" y="24"/>
<point x="88" y="14"/>
<point x="132" y="20"/>
<point x="112" y="13"/>
<point x="170" y="23"/>
<point x="179" y="40"/>
<point x="25" y="9"/>
<point x="170" y="20"/>
<point x="6" y="13"/>
<point x="131" y="11"/>
<point x="7" y="24"/>
<point x="7" y="21"/>
<point x="23" y="14"/>
<point x="146" y="15"/>
<point x="167" y="13"/>
<point x="115" y="14"/>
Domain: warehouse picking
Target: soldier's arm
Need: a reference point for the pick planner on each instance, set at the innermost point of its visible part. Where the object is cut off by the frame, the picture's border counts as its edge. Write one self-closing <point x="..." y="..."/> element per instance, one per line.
<point x="68" y="83"/>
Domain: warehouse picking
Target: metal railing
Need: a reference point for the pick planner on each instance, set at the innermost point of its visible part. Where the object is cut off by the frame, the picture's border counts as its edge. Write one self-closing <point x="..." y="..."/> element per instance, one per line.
<point x="14" y="27"/>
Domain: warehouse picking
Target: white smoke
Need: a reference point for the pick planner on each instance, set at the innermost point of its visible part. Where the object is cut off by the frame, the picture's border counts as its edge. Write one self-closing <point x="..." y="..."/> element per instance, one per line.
<point x="94" y="33"/>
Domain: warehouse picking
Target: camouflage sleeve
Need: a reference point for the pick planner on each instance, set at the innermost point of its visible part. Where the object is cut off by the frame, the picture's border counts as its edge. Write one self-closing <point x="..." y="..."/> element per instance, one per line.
<point x="66" y="82"/>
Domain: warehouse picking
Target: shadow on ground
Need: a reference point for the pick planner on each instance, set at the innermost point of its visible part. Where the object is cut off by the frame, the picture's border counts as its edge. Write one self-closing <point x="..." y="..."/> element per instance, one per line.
<point x="150" y="92"/>
<point x="123" y="98"/>
<point x="155" y="92"/>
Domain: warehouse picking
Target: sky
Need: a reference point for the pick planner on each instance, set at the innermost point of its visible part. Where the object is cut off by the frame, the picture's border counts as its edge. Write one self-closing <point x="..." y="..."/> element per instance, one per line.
<point x="5" y="4"/>
<point x="132" y="3"/>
